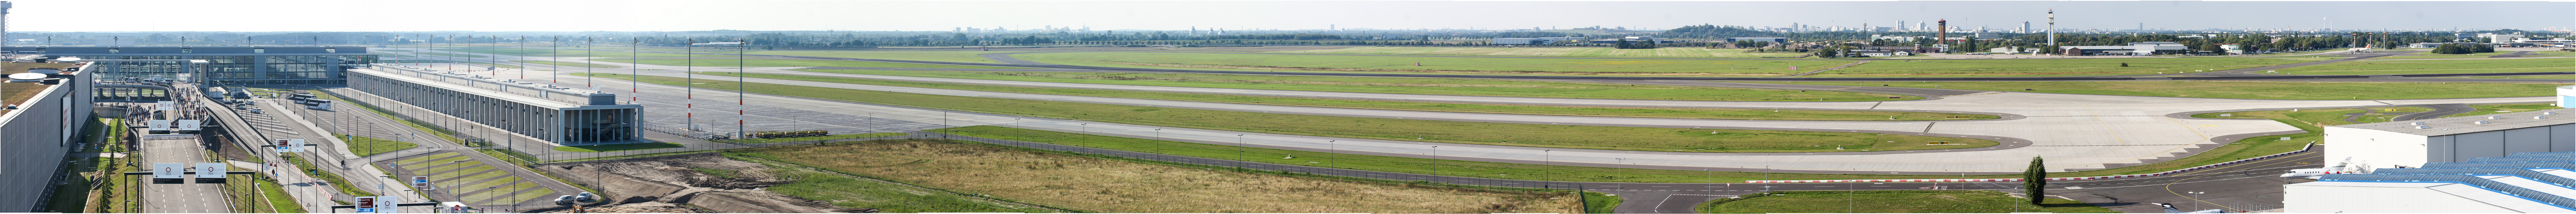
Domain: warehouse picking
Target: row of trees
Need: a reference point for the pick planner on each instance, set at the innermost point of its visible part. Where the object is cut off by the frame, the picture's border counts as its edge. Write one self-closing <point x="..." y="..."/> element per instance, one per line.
<point x="2456" y="48"/>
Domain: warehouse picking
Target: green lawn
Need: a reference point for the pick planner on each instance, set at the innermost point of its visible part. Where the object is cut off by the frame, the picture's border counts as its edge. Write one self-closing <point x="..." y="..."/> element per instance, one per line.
<point x="542" y="52"/>
<point x="940" y="56"/>
<point x="1444" y="65"/>
<point x="2052" y="67"/>
<point x="1693" y="113"/>
<point x="2431" y="55"/>
<point x="2506" y="108"/>
<point x="2242" y="89"/>
<point x="791" y="63"/>
<point x="2370" y="67"/>
<point x="1895" y="201"/>
<point x="617" y="147"/>
<point x="573" y="64"/>
<point x="2563" y="77"/>
<point x="844" y="191"/>
<point x="1401" y="85"/>
<point x="1670" y="52"/>
<point x="1596" y="202"/>
<point x="278" y="199"/>
<point x="366" y="146"/>
<point x="1558" y="136"/>
<point x="453" y="55"/>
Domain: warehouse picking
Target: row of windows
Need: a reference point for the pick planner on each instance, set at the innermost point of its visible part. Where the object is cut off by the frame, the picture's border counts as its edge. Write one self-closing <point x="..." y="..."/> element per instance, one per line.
<point x="239" y="67"/>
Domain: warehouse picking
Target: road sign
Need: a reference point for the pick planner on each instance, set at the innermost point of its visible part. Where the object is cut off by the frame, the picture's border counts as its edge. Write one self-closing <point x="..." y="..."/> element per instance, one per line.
<point x="282" y="146"/>
<point x="366" y="204"/>
<point x="421" y="182"/>
<point x="210" y="170"/>
<point x="297" y="144"/>
<point x="386" y="204"/>
<point x="168" y="170"/>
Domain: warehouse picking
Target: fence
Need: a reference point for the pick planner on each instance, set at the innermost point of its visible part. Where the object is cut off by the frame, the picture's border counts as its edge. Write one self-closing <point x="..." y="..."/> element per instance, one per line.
<point x="2177" y="171"/>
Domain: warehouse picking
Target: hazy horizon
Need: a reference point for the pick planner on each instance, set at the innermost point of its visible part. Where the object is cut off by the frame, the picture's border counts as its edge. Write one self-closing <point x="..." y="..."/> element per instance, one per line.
<point x="667" y="15"/>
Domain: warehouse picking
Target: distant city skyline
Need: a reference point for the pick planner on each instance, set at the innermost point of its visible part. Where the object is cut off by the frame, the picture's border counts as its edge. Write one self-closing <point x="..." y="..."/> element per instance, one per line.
<point x="669" y="15"/>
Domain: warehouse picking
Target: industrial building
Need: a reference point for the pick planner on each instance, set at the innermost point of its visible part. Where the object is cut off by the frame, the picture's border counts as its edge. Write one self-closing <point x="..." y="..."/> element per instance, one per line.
<point x="2489" y="36"/>
<point x="1775" y="40"/>
<point x="1982" y="35"/>
<point x="539" y="112"/>
<point x="2413" y="143"/>
<point x="2514" y="183"/>
<point x="1533" y="41"/>
<point x="39" y="130"/>
<point x="2133" y="49"/>
<point x="226" y="65"/>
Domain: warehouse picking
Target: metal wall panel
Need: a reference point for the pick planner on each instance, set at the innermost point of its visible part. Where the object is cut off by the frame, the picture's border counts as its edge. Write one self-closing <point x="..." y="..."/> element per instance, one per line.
<point x="2475" y="145"/>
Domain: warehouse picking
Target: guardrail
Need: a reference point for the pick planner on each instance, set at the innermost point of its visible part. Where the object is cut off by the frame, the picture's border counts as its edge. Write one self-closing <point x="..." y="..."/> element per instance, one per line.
<point x="2177" y="171"/>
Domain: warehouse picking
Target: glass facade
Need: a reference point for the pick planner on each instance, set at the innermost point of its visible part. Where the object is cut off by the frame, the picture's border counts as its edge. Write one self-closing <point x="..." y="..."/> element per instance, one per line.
<point x="226" y="65"/>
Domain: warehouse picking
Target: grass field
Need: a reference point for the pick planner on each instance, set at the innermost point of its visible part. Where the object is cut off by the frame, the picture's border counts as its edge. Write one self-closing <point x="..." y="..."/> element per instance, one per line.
<point x="2431" y="55"/>
<point x="852" y="192"/>
<point x="573" y="64"/>
<point x="1401" y="85"/>
<point x="2242" y="89"/>
<point x="1113" y="186"/>
<point x="366" y="146"/>
<point x="1692" y="113"/>
<point x="1558" y="136"/>
<point x="815" y="138"/>
<point x="1405" y="64"/>
<point x="2051" y="67"/>
<point x="791" y="63"/>
<point x="2563" y="77"/>
<point x="453" y="55"/>
<point x="940" y="56"/>
<point x="1399" y="164"/>
<point x="2364" y="67"/>
<point x="617" y="147"/>
<point x="1895" y="201"/>
<point x="541" y="52"/>
<point x="1672" y="52"/>
<point x="2506" y="108"/>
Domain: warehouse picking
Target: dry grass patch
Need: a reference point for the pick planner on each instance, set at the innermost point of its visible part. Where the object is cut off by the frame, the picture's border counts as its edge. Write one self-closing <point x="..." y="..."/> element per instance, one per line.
<point x="1103" y="185"/>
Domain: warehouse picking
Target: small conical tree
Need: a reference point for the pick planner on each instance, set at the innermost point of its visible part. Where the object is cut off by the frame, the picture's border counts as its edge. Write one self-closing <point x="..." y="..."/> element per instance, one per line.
<point x="2034" y="182"/>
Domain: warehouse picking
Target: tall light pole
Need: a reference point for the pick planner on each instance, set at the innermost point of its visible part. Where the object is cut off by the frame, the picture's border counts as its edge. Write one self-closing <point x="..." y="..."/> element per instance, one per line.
<point x="1435" y="162"/>
<point x="1620" y="172"/>
<point x="740" y="80"/>
<point x="1238" y="153"/>
<point x="1549" y="174"/>
<point x="523" y="60"/>
<point x="2195" y="196"/>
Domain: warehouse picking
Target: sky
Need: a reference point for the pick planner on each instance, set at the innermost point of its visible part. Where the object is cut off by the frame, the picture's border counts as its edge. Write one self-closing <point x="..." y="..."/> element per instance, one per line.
<point x="670" y="15"/>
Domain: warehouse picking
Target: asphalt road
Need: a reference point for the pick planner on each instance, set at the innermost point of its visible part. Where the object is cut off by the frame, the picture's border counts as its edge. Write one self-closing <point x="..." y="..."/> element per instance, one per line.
<point x="186" y="197"/>
<point x="2439" y="110"/>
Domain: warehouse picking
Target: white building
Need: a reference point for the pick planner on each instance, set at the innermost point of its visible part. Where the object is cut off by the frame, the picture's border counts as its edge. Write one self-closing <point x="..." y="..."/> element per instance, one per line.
<point x="2363" y="147"/>
<point x="2566" y="95"/>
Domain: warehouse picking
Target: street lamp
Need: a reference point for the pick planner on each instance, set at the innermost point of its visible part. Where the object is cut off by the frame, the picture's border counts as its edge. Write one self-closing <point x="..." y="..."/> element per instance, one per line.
<point x="1548" y="174"/>
<point x="1435" y="162"/>
<point x="1620" y="172"/>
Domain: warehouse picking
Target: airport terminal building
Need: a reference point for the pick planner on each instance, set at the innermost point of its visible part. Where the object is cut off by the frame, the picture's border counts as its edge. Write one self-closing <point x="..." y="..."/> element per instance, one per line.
<point x="226" y="65"/>
<point x="524" y="111"/>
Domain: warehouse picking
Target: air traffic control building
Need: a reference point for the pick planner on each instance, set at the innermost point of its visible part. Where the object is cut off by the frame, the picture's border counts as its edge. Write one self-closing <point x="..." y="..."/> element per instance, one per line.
<point x="521" y="110"/>
<point x="45" y="124"/>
